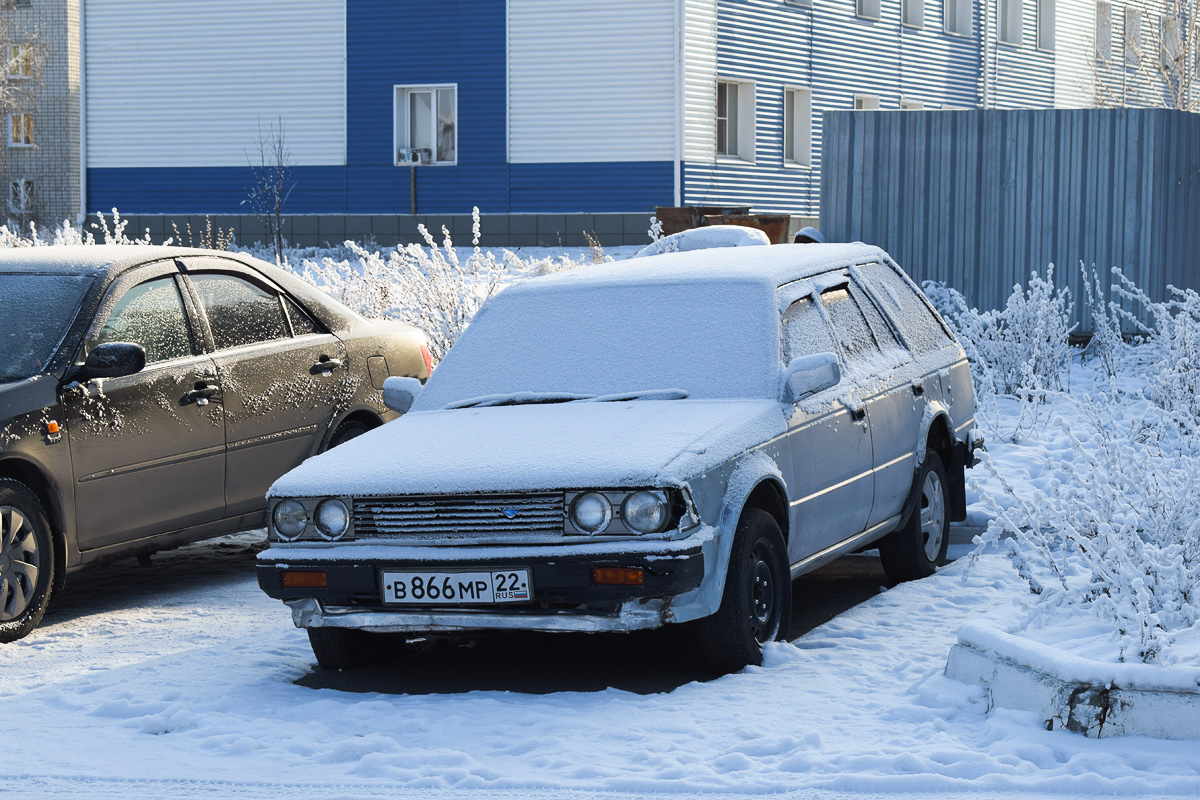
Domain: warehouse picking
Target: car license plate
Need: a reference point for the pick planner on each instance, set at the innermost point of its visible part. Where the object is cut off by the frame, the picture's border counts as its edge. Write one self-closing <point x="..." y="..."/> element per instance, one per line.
<point x="455" y="588"/>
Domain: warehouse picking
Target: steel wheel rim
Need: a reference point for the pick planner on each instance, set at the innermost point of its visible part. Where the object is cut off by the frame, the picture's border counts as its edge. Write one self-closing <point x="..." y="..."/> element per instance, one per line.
<point x="20" y="562"/>
<point x="933" y="515"/>
<point x="764" y="605"/>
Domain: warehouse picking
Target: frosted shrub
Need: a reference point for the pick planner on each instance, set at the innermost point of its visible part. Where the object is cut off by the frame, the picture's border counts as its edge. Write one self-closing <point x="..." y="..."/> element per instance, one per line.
<point x="1170" y="350"/>
<point x="1106" y="343"/>
<point x="1118" y="538"/>
<point x="68" y="234"/>
<point x="428" y="287"/>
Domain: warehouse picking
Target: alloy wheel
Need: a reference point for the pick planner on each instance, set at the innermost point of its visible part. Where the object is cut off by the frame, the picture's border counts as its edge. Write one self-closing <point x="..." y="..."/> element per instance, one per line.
<point x="20" y="562"/>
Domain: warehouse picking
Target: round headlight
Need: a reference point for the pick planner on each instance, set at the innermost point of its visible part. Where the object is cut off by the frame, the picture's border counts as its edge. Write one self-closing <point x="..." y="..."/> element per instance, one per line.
<point x="591" y="512"/>
<point x="332" y="518"/>
<point x="290" y="518"/>
<point x="645" y="511"/>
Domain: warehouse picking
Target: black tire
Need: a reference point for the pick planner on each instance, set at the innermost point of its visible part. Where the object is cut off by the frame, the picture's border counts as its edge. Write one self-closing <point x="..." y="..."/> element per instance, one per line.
<point x="915" y="550"/>
<point x="348" y="430"/>
<point x="348" y="648"/>
<point x="756" y="606"/>
<point x="26" y="561"/>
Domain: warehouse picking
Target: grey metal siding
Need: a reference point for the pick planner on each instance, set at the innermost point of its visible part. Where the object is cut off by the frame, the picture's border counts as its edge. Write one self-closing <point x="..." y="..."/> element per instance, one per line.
<point x="978" y="199"/>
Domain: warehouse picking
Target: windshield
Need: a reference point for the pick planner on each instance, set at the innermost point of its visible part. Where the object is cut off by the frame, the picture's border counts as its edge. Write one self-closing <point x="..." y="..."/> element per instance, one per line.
<point x="35" y="312"/>
<point x="561" y="342"/>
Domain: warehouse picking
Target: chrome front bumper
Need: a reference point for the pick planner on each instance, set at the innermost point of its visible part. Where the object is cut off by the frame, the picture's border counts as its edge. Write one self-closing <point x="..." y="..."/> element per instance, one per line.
<point x="634" y="615"/>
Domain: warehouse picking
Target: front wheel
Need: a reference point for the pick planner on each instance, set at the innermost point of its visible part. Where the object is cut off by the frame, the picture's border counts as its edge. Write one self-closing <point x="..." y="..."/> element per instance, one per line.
<point x="26" y="561"/>
<point x="915" y="550"/>
<point x="756" y="605"/>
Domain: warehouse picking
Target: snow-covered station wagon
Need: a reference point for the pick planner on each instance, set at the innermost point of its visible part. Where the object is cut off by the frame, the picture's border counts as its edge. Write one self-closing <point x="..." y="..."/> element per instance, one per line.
<point x="662" y="441"/>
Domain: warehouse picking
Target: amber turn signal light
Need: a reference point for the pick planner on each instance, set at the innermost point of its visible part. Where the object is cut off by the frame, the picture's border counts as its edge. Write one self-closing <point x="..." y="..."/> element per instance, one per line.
<point x="303" y="580"/>
<point x="618" y="576"/>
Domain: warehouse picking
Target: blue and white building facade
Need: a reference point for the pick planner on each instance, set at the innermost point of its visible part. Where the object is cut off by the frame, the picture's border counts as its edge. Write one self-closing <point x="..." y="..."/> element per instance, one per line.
<point x="526" y="106"/>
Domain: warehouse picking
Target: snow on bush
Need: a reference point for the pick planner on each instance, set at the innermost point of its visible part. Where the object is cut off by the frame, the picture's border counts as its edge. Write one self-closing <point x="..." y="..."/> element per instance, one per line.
<point x="112" y="232"/>
<point x="429" y="287"/>
<point x="1020" y="352"/>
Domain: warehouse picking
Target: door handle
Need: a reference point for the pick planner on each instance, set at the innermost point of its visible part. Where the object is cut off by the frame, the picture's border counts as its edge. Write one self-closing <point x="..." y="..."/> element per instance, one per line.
<point x="326" y="364"/>
<point x="202" y="392"/>
<point x="918" y="389"/>
<point x="858" y="414"/>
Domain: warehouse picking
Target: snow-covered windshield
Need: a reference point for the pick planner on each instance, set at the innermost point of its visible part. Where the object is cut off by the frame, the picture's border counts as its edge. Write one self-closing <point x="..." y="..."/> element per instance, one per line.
<point x="704" y="339"/>
<point x="35" y="312"/>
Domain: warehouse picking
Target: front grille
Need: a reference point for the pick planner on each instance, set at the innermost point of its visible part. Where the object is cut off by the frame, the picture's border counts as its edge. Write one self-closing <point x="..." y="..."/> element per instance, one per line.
<point x="463" y="516"/>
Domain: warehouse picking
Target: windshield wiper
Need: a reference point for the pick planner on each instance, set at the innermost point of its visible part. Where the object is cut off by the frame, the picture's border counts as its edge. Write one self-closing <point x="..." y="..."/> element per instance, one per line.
<point x="649" y="394"/>
<point x="536" y="398"/>
<point x="519" y="399"/>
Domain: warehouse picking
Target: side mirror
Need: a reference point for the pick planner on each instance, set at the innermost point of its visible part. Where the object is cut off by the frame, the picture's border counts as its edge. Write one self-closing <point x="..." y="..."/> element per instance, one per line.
<point x="810" y="374"/>
<point x="400" y="393"/>
<point x="114" y="360"/>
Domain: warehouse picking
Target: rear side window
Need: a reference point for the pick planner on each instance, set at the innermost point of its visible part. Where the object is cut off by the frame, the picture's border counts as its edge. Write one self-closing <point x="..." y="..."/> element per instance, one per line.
<point x="908" y="310"/>
<point x="150" y="314"/>
<point x="804" y="331"/>
<point x="302" y="323"/>
<point x="849" y="324"/>
<point x="239" y="313"/>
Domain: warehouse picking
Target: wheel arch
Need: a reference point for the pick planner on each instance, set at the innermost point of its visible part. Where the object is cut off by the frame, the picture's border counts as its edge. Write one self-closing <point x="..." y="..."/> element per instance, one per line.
<point x="937" y="436"/>
<point x="364" y="415"/>
<point x="34" y="478"/>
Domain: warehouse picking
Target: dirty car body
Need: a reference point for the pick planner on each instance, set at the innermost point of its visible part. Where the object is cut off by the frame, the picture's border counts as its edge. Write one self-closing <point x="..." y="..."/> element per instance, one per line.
<point x="634" y="445"/>
<point x="149" y="396"/>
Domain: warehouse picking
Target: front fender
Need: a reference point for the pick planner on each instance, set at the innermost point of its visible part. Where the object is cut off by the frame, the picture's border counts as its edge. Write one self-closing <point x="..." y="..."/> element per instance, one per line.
<point x="750" y="471"/>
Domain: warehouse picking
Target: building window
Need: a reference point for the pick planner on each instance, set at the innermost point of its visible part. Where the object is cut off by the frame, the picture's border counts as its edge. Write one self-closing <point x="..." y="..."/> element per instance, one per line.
<point x="1045" y="24"/>
<point x="1170" y="36"/>
<point x="735" y="120"/>
<point x="797" y="127"/>
<point x="426" y="124"/>
<point x="1010" y="21"/>
<point x="20" y="130"/>
<point x="20" y="61"/>
<point x="913" y="13"/>
<point x="1104" y="32"/>
<point x="911" y="105"/>
<point x="868" y="9"/>
<point x="866" y="102"/>
<point x="1133" y="36"/>
<point x="957" y="16"/>
<point x="20" y="197"/>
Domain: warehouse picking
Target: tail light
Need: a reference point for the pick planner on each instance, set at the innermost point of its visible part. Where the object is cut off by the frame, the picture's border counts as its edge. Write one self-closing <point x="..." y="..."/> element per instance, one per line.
<point x="425" y="354"/>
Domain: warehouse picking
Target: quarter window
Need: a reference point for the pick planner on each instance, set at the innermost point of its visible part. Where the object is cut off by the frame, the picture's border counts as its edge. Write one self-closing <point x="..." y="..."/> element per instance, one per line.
<point x="239" y="313"/>
<point x="426" y="124"/>
<point x="910" y="312"/>
<point x="151" y="314"/>
<point x="302" y="323"/>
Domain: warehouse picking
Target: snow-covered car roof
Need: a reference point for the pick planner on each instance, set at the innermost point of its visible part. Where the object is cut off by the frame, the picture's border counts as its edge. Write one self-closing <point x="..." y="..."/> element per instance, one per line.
<point x="92" y="259"/>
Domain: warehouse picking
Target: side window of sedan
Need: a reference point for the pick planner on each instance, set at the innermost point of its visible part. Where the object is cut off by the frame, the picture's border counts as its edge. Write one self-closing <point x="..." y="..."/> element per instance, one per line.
<point x="151" y="314"/>
<point x="920" y="328"/>
<point x="239" y="313"/>
<point x="804" y="331"/>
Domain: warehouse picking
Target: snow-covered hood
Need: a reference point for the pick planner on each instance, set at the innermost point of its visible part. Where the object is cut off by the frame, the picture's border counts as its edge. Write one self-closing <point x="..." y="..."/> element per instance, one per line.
<point x="535" y="447"/>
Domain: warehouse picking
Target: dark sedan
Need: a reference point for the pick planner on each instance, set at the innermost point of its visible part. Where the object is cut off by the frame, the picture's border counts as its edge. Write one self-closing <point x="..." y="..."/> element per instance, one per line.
<point x="149" y="396"/>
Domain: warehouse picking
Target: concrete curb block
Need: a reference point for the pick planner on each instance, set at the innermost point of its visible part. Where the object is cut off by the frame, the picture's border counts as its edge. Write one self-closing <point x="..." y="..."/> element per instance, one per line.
<point x="1097" y="711"/>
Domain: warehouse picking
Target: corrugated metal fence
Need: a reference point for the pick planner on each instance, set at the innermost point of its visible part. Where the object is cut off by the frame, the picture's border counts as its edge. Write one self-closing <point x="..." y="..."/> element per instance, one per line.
<point x="978" y="199"/>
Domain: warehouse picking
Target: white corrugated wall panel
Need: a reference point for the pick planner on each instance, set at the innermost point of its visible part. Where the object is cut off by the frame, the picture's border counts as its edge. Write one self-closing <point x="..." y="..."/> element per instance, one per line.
<point x="700" y="76"/>
<point x="187" y="84"/>
<point x="591" y="82"/>
<point x="1074" y="53"/>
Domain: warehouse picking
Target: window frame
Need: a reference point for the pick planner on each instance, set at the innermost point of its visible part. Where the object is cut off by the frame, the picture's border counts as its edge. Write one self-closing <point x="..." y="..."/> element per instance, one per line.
<point x="862" y="99"/>
<point x="25" y="138"/>
<point x="1103" y="53"/>
<point x="912" y="13"/>
<point x="1131" y="36"/>
<point x="1010" y="22"/>
<point x="963" y="16"/>
<point x="868" y="9"/>
<point x="19" y="55"/>
<point x="194" y="342"/>
<point x="1047" y="26"/>
<point x="909" y="104"/>
<point x="798" y="99"/>
<point x="746" y="125"/>
<point x="401" y="138"/>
